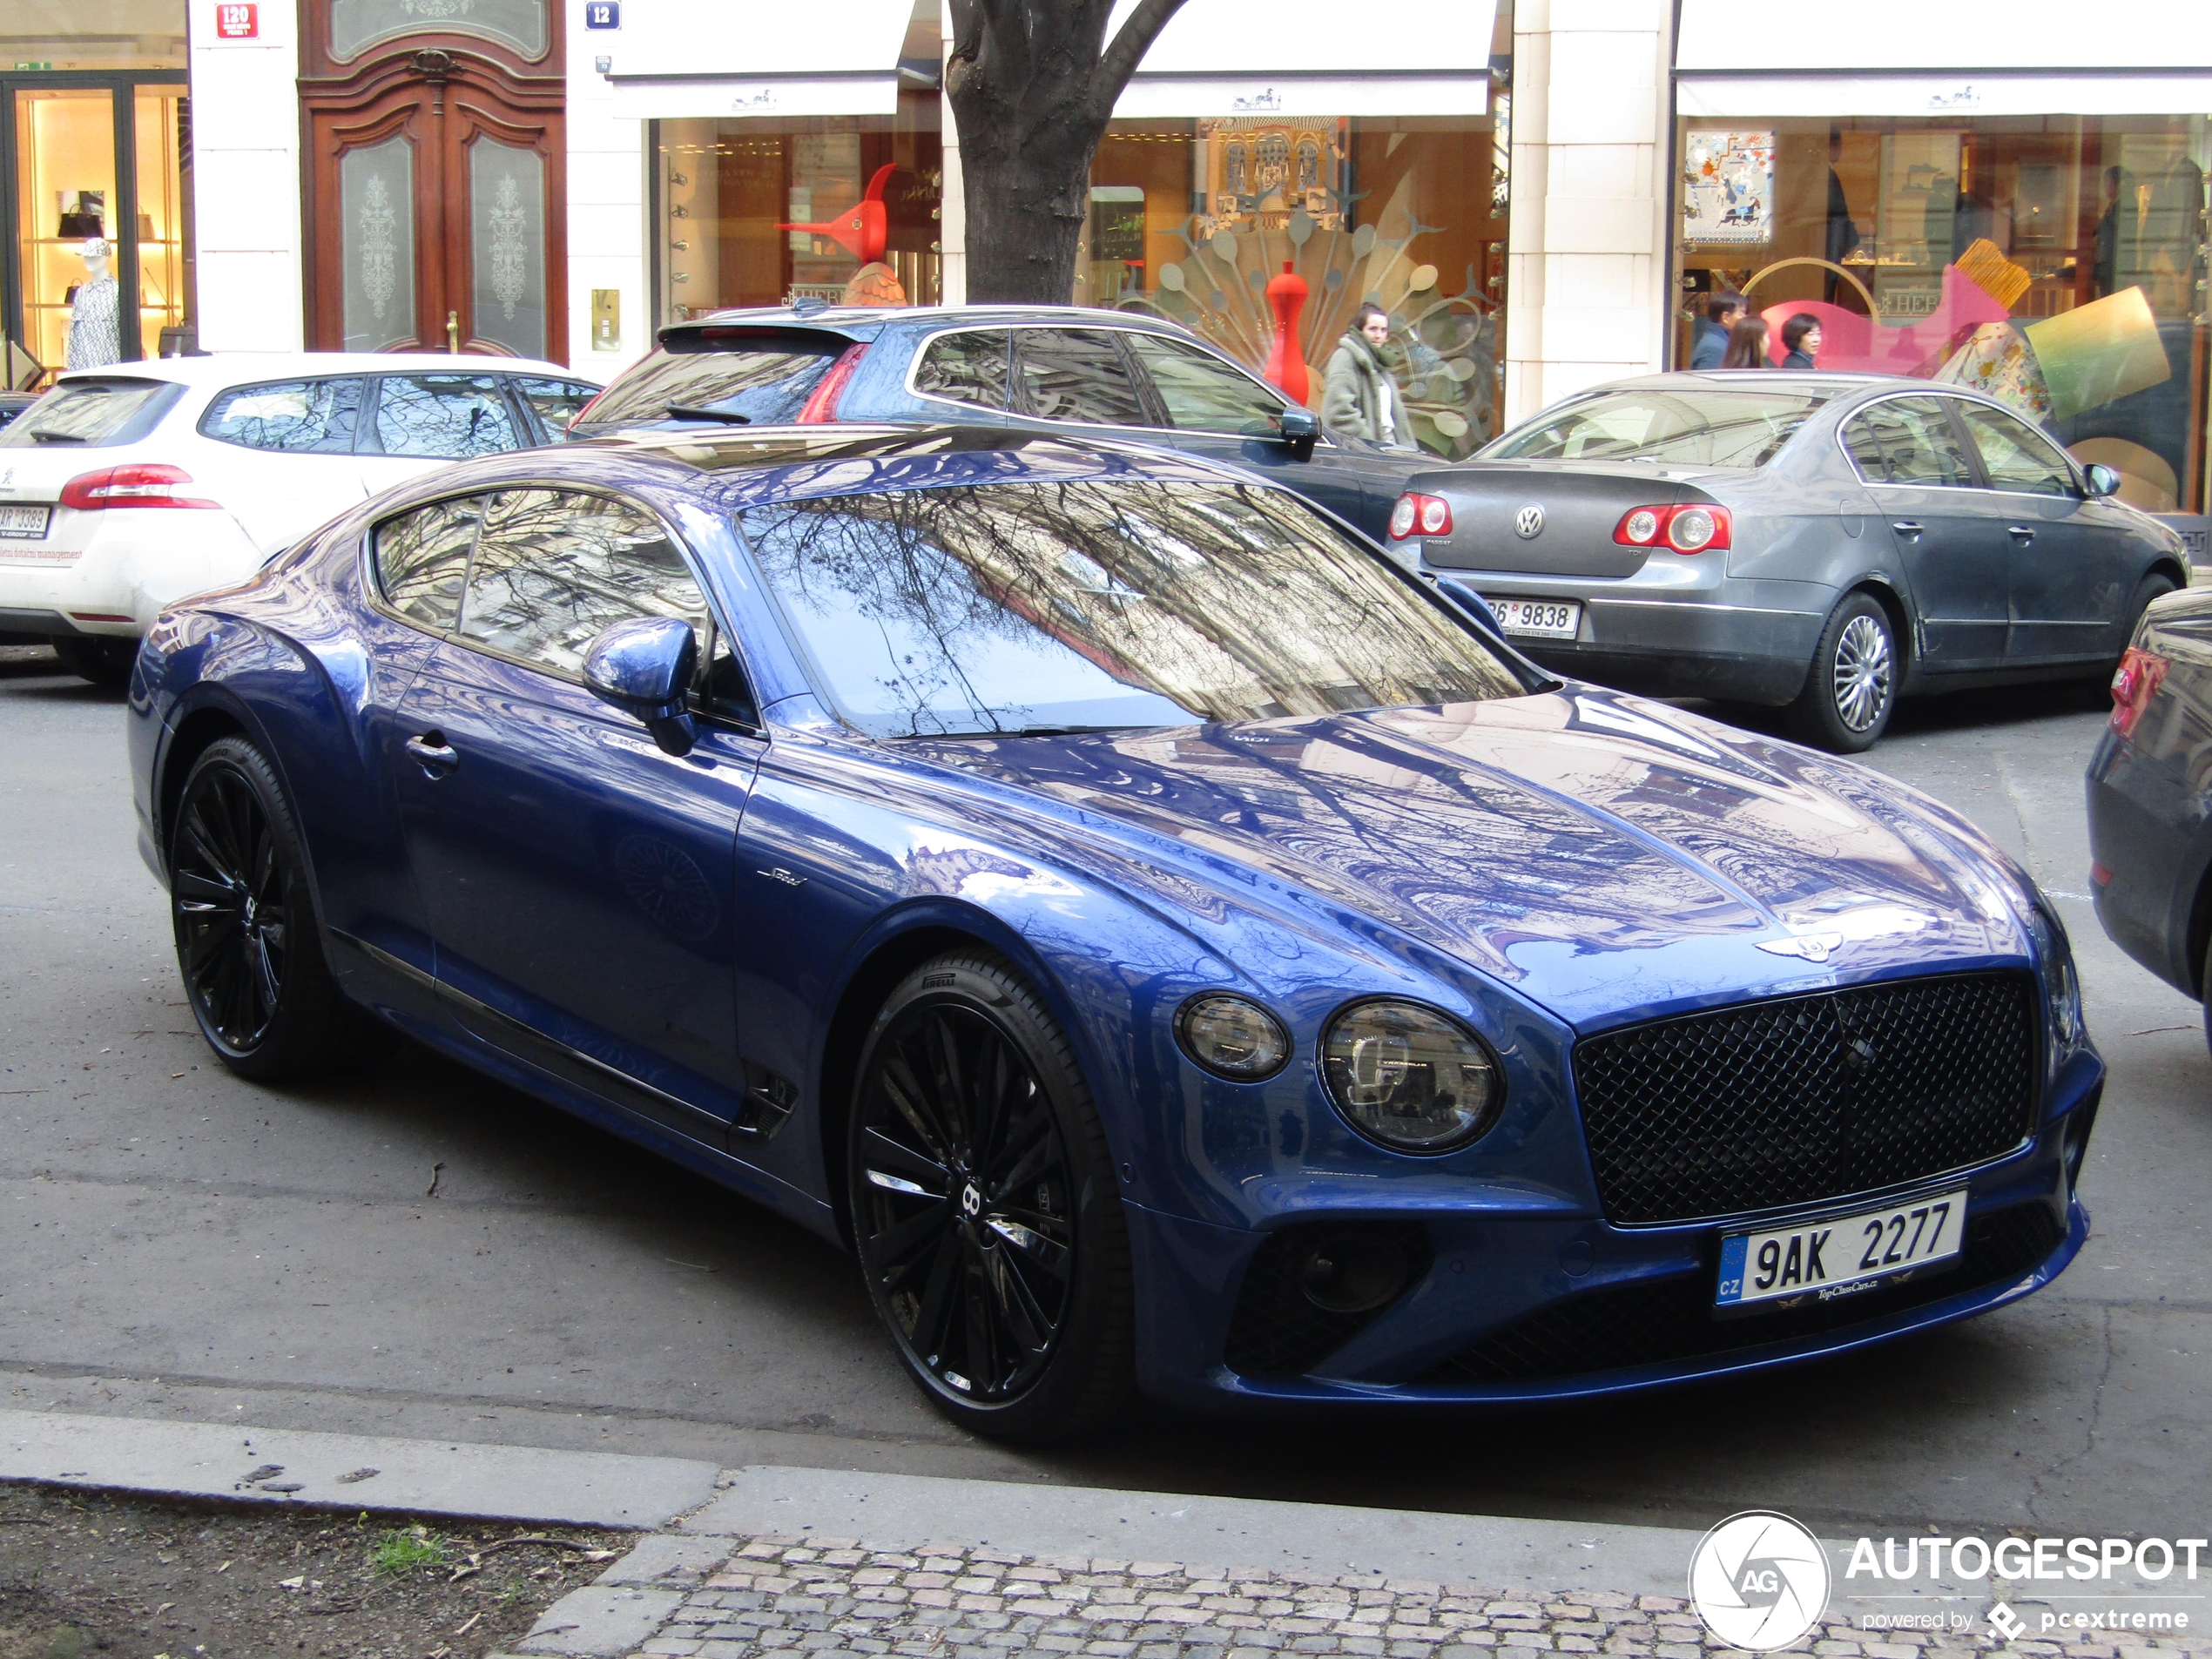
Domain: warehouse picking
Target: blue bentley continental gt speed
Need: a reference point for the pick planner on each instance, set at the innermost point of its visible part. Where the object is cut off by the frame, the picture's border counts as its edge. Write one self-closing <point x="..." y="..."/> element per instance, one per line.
<point x="1172" y="947"/>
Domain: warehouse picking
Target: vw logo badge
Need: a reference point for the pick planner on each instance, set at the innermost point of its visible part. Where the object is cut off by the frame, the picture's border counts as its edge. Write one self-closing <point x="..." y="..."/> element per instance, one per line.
<point x="1529" y="522"/>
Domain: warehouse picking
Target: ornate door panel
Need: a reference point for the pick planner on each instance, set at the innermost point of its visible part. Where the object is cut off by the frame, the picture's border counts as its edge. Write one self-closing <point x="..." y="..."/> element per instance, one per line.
<point x="434" y="178"/>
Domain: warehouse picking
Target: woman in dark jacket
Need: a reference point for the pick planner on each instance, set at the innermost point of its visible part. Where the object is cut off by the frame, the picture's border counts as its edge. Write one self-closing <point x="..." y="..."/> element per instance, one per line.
<point x="1360" y="392"/>
<point x="1801" y="339"/>
<point x="1747" y="345"/>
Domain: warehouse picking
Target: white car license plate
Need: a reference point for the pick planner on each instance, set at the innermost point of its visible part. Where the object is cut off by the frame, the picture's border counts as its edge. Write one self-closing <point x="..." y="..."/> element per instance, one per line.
<point x="26" y="523"/>
<point x="1549" y="618"/>
<point x="1840" y="1256"/>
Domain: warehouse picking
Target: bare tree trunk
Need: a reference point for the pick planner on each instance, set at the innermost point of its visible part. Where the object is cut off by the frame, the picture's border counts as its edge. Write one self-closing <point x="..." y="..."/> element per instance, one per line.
<point x="1033" y="84"/>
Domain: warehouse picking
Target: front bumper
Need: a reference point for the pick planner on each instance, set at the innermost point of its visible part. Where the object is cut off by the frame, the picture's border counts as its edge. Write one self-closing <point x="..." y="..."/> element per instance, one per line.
<point x="1541" y="1305"/>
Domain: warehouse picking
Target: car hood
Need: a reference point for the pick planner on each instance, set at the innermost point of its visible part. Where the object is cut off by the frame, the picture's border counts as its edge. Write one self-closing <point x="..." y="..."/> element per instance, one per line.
<point x="1610" y="858"/>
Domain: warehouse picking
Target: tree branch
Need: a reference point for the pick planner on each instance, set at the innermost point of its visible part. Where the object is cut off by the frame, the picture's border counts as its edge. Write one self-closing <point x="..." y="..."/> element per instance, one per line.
<point x="1119" y="61"/>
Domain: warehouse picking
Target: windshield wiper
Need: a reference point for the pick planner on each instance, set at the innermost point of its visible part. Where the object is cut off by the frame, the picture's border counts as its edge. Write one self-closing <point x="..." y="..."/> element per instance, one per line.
<point x="693" y="412"/>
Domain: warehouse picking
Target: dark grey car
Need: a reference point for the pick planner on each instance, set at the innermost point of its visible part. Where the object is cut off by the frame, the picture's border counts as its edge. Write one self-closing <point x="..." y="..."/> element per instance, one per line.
<point x="1829" y="543"/>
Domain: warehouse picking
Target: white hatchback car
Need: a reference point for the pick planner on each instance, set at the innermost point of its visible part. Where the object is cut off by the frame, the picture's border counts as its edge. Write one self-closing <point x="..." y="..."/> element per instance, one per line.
<point x="126" y="487"/>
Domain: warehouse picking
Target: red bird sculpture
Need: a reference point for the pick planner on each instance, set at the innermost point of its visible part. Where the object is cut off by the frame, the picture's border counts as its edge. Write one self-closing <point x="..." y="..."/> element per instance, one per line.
<point x="865" y="228"/>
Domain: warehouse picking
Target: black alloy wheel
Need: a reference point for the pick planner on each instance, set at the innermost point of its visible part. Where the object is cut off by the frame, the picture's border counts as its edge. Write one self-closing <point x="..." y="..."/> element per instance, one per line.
<point x="984" y="1206"/>
<point x="247" y="943"/>
<point x="2148" y="591"/>
<point x="1852" y="690"/>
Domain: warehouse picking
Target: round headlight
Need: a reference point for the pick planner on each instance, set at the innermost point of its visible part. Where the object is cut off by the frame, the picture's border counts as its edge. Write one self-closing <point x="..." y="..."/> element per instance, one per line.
<point x="1691" y="529"/>
<point x="1409" y="1076"/>
<point x="1233" y="1037"/>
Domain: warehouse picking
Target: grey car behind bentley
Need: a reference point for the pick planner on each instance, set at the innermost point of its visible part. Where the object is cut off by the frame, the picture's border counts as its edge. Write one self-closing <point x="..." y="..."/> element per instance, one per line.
<point x="1826" y="543"/>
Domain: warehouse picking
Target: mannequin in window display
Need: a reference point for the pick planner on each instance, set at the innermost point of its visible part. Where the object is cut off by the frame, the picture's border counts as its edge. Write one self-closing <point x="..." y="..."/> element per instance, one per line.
<point x="95" y="334"/>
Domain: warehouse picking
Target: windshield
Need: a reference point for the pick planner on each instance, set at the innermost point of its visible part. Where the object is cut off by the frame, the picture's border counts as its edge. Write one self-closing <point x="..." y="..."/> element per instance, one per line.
<point x="1706" y="426"/>
<point x="1007" y="608"/>
<point x="89" y="413"/>
<point x="767" y="384"/>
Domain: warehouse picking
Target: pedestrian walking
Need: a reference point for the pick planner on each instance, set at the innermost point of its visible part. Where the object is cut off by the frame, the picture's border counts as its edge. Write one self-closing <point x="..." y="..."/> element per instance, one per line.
<point x="1747" y="345"/>
<point x="1801" y="340"/>
<point x="1359" y="394"/>
<point x="1709" y="347"/>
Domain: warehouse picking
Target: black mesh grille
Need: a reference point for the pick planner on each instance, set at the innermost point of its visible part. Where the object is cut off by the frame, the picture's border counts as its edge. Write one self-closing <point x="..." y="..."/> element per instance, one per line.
<point x="1277" y="1330"/>
<point x="1672" y="1320"/>
<point x="1808" y="1098"/>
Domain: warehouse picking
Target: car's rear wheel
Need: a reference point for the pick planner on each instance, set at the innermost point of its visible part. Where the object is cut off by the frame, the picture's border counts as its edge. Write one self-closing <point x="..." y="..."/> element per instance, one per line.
<point x="1851" y="689"/>
<point x="247" y="941"/>
<point x="2150" y="590"/>
<point x="984" y="1205"/>
<point x="100" y="658"/>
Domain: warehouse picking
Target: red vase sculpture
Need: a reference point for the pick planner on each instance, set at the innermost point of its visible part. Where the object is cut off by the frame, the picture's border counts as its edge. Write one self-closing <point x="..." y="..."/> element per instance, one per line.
<point x="1286" y="363"/>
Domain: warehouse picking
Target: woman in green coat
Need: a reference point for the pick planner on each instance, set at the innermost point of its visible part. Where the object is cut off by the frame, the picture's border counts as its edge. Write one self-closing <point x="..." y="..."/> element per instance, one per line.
<point x="1361" y="394"/>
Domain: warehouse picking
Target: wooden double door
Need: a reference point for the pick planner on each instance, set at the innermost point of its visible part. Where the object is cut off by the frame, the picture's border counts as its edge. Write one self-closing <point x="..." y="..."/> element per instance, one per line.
<point x="437" y="217"/>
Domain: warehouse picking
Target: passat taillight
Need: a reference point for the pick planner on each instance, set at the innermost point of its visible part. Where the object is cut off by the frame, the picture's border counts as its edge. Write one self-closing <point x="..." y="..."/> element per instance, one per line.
<point x="821" y="407"/>
<point x="143" y="484"/>
<point x="1419" y="514"/>
<point x="2136" y="681"/>
<point x="1692" y="527"/>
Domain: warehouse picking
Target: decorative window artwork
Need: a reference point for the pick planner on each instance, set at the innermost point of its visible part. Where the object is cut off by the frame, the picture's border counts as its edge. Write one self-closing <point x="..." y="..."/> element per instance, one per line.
<point x="1727" y="187"/>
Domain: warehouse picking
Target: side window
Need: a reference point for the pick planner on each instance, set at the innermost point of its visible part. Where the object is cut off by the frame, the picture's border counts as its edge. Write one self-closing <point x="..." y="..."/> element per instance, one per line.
<point x="2014" y="455"/>
<point x="555" y="568"/>
<point x="1075" y="375"/>
<point x="721" y="688"/>
<point x="969" y="366"/>
<point x="555" y="402"/>
<point x="1202" y="393"/>
<point x="441" y="417"/>
<point x="1907" y="440"/>
<point x="423" y="556"/>
<point x="297" y="417"/>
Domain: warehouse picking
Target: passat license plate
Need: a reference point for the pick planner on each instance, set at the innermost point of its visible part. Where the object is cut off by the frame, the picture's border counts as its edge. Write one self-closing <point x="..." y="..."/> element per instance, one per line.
<point x="1841" y="1256"/>
<point x="1547" y="618"/>
<point x="25" y="524"/>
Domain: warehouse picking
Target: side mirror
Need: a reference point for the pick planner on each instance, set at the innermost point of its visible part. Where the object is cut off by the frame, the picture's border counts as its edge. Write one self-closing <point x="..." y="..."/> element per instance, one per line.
<point x="1298" y="429"/>
<point x="2103" y="481"/>
<point x="644" y="667"/>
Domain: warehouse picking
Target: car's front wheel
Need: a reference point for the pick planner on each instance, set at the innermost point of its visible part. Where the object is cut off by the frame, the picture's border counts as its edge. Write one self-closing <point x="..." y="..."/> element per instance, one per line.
<point x="1852" y="690"/>
<point x="102" y="659"/>
<point x="985" y="1210"/>
<point x="247" y="941"/>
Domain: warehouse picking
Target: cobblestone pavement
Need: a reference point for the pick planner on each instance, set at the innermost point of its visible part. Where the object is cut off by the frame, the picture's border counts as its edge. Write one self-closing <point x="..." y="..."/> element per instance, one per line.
<point x="833" y="1597"/>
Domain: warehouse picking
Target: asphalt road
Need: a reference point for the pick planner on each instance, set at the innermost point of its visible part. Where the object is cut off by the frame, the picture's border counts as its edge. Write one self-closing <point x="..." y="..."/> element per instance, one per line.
<point x="174" y="1242"/>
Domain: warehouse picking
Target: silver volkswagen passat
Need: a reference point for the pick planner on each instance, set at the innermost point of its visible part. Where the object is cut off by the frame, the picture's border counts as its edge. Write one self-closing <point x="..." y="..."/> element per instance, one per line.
<point x="1828" y="542"/>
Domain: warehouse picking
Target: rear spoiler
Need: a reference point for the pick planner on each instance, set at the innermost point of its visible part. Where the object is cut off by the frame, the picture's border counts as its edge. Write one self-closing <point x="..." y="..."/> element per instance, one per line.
<point x="706" y="335"/>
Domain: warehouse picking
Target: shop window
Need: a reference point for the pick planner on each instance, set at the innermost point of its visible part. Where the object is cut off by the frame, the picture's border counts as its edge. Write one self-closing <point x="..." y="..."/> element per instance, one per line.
<point x="67" y="227"/>
<point x="2056" y="262"/>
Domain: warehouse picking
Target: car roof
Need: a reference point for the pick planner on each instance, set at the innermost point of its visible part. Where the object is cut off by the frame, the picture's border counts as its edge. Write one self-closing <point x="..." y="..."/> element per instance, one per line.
<point x="856" y="319"/>
<point x="1813" y="380"/>
<point x="240" y="368"/>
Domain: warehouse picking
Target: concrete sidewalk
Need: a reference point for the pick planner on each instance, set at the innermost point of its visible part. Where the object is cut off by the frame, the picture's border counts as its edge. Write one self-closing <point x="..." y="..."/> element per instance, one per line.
<point x="734" y="1564"/>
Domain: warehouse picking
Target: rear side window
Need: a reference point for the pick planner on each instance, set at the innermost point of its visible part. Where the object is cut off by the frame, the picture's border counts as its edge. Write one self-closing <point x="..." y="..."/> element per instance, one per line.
<point x="1202" y="393"/>
<point x="555" y="402"/>
<point x="423" y="558"/>
<point x="1908" y="441"/>
<point x="969" y="366"/>
<point x="443" y="417"/>
<point x="768" y="382"/>
<point x="556" y="567"/>
<point x="1075" y="375"/>
<point x="92" y="413"/>
<point x="299" y="417"/>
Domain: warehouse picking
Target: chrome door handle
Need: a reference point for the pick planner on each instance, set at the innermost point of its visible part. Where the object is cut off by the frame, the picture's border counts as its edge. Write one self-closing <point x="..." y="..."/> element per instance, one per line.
<point x="1905" y="527"/>
<point x="436" y="755"/>
<point x="2020" y="532"/>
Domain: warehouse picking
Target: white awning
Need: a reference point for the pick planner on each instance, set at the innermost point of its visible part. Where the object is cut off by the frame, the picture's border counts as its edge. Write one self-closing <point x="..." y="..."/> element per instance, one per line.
<point x="672" y="59"/>
<point x="1951" y="37"/>
<point x="1313" y="57"/>
<point x="1740" y="96"/>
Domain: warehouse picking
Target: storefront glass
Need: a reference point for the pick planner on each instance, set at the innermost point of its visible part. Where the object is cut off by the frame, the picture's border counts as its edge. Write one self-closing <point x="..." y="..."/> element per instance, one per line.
<point x="864" y="192"/>
<point x="64" y="142"/>
<point x="1192" y="219"/>
<point x="2058" y="262"/>
<point x="164" y="214"/>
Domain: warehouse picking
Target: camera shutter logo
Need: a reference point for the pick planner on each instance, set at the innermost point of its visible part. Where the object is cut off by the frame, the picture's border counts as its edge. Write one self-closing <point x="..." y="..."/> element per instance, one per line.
<point x="1759" y="1581"/>
<point x="1529" y="522"/>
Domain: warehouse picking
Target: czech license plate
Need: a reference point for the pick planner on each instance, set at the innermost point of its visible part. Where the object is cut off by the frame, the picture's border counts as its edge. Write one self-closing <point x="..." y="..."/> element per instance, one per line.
<point x="25" y="524"/>
<point x="1841" y="1256"/>
<point x="1549" y="618"/>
